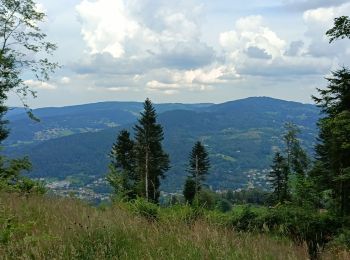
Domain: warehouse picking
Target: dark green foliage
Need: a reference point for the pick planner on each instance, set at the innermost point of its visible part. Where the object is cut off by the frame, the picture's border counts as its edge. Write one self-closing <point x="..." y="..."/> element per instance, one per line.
<point x="278" y="178"/>
<point x="248" y="196"/>
<point x="342" y="239"/>
<point x="333" y="149"/>
<point x="205" y="199"/>
<point x="297" y="160"/>
<point x="151" y="160"/>
<point x="244" y="219"/>
<point x="288" y="176"/>
<point x="340" y="30"/>
<point x="4" y="131"/>
<point x="12" y="180"/>
<point x="198" y="167"/>
<point x="145" y="208"/>
<point x="189" y="191"/>
<point x="223" y="205"/>
<point x="122" y="175"/>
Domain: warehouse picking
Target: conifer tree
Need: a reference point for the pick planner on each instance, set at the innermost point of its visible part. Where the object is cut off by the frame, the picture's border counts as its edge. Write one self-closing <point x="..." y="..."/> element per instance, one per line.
<point x="189" y="191"/>
<point x="296" y="157"/>
<point x="333" y="149"/>
<point x="122" y="175"/>
<point x="278" y="177"/>
<point x="151" y="160"/>
<point x="199" y="166"/>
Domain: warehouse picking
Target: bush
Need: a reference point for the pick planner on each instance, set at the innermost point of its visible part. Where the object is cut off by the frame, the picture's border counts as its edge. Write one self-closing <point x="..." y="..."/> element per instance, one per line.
<point x="205" y="199"/>
<point x="223" y="205"/>
<point x="181" y="213"/>
<point x="300" y="224"/>
<point x="342" y="240"/>
<point x="243" y="219"/>
<point x="145" y="209"/>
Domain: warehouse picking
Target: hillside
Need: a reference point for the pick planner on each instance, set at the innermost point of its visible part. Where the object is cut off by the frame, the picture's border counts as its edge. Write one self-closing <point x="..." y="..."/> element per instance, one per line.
<point x="63" y="121"/>
<point x="240" y="136"/>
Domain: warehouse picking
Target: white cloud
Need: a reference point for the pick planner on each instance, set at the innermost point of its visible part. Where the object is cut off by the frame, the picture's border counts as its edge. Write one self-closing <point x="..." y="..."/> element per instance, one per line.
<point x="118" y="89"/>
<point x="106" y="25"/>
<point x="39" y="84"/>
<point x="125" y="29"/>
<point x="251" y="32"/>
<point x="318" y="21"/>
<point x="65" y="80"/>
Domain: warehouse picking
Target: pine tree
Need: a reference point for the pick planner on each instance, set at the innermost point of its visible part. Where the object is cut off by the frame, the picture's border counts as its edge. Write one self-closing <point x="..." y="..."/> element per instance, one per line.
<point x="199" y="165"/>
<point x="122" y="175"/>
<point x="297" y="160"/>
<point x="333" y="149"/>
<point x="278" y="177"/>
<point x="189" y="191"/>
<point x="151" y="160"/>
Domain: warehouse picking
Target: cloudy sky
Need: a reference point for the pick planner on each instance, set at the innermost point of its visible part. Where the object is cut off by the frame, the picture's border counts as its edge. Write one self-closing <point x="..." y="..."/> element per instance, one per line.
<point x="189" y="50"/>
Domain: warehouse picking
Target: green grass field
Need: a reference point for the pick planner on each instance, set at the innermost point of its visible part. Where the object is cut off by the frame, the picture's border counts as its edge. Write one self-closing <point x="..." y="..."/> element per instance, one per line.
<point x="38" y="227"/>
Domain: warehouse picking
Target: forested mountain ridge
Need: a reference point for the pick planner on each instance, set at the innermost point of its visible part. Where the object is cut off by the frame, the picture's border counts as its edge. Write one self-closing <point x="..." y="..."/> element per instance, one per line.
<point x="241" y="137"/>
<point x="63" y="121"/>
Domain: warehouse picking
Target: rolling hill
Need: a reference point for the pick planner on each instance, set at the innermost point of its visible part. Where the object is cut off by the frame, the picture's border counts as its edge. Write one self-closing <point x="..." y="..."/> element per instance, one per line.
<point x="241" y="137"/>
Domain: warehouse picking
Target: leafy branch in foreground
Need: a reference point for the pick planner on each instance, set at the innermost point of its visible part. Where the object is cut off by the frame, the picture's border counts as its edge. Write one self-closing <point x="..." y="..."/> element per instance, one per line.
<point x="23" y="49"/>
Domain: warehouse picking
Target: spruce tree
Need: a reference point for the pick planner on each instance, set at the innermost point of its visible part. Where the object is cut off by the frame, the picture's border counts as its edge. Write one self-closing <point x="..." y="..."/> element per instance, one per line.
<point x="122" y="175"/>
<point x="296" y="157"/>
<point x="278" y="178"/>
<point x="151" y="160"/>
<point x="189" y="191"/>
<point x="199" y="165"/>
<point x="332" y="171"/>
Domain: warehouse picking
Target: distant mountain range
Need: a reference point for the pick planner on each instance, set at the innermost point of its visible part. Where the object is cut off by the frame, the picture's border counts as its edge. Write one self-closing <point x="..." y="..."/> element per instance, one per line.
<point x="72" y="143"/>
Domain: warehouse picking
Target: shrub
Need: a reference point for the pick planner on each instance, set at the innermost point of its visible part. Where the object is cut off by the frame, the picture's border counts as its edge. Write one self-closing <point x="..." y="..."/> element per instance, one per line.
<point x="145" y="209"/>
<point x="223" y="205"/>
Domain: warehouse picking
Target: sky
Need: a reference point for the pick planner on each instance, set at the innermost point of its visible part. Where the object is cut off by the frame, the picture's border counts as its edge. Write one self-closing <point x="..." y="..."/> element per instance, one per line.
<point x="188" y="51"/>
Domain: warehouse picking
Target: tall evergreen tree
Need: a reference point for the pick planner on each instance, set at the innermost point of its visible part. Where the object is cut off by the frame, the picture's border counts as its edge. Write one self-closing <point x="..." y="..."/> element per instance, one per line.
<point x="199" y="165"/>
<point x="297" y="160"/>
<point x="151" y="160"/>
<point x="189" y="191"/>
<point x="333" y="149"/>
<point x="278" y="177"/>
<point x="122" y="175"/>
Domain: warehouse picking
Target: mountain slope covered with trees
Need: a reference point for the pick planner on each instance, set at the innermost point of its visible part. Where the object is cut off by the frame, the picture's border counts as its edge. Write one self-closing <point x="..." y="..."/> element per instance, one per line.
<point x="240" y="136"/>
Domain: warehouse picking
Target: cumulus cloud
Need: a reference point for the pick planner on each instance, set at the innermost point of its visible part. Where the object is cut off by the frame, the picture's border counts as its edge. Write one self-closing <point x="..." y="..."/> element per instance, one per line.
<point x="171" y="36"/>
<point x="144" y="42"/>
<point x="256" y="50"/>
<point x="39" y="84"/>
<point x="157" y="45"/>
<point x="250" y="32"/>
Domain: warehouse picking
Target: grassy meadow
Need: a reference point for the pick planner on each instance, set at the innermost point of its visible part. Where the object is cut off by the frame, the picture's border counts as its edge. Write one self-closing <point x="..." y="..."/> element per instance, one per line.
<point x="38" y="227"/>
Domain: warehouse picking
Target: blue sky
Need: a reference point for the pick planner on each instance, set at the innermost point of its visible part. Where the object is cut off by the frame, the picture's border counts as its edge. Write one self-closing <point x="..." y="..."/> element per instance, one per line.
<point x="188" y="50"/>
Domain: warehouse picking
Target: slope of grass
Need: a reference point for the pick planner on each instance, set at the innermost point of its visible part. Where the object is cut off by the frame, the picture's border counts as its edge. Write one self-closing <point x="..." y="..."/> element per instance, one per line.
<point x="56" y="228"/>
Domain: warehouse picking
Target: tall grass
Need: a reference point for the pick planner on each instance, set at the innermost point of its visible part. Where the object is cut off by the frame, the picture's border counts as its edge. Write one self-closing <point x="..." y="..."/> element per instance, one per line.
<point x="38" y="227"/>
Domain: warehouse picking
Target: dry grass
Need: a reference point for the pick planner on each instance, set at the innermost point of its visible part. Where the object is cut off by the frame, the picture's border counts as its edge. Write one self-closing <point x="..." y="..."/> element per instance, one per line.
<point x="47" y="228"/>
